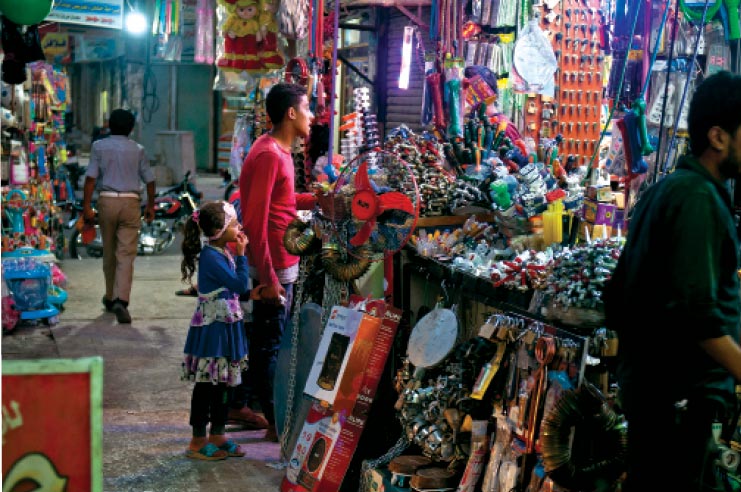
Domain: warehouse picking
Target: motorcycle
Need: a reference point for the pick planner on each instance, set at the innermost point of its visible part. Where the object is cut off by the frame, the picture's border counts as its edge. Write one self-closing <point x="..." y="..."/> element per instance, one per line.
<point x="172" y="207"/>
<point x="176" y="208"/>
<point x="185" y="185"/>
<point x="154" y="238"/>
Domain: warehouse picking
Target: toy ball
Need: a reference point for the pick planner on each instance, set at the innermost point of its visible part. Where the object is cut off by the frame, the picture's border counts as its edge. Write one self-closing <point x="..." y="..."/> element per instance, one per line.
<point x="26" y="12"/>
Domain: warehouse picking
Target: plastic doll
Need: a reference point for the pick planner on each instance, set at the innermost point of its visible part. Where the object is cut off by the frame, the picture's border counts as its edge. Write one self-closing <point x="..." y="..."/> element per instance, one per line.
<point x="269" y="54"/>
<point x="241" y="36"/>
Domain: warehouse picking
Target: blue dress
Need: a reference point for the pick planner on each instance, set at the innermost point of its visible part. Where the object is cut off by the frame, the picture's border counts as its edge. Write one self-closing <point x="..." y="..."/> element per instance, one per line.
<point x="216" y="346"/>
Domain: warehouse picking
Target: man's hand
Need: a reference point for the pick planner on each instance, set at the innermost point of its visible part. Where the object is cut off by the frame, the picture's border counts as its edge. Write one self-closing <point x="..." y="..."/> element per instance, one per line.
<point x="88" y="213"/>
<point x="149" y="214"/>
<point x="271" y="294"/>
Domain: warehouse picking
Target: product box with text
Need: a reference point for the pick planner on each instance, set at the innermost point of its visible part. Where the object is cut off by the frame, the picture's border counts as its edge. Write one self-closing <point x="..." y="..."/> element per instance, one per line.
<point x="330" y="435"/>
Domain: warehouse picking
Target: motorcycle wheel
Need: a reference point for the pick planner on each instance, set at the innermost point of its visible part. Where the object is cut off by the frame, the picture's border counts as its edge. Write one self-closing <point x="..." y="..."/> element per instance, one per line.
<point x="157" y="236"/>
<point x="60" y="246"/>
<point x="79" y="250"/>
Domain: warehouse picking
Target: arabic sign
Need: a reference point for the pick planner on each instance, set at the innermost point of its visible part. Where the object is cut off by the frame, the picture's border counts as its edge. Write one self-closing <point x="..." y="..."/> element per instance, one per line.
<point x="52" y="419"/>
<point x="98" y="13"/>
<point x="56" y="47"/>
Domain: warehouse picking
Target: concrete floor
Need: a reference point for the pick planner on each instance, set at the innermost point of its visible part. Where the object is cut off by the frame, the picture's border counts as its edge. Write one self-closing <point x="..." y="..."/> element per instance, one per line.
<point x="145" y="405"/>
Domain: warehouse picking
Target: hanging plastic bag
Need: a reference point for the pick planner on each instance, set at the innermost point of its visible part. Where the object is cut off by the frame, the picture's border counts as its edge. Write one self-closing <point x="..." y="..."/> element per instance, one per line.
<point x="534" y="60"/>
<point x="240" y="145"/>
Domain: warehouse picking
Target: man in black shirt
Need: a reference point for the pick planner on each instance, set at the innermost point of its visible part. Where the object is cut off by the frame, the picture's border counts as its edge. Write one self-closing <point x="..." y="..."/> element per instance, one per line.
<point x="679" y="357"/>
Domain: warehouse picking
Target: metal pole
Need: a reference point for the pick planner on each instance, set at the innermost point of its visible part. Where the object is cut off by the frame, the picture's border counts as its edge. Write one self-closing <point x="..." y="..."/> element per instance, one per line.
<point x="333" y="68"/>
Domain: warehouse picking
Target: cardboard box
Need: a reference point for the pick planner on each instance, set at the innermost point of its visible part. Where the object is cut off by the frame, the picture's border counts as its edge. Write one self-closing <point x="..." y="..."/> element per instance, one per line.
<point x="599" y="213"/>
<point x="336" y="347"/>
<point x="596" y="231"/>
<point x="619" y="199"/>
<point x="330" y="435"/>
<point x="380" y="481"/>
<point x="599" y="193"/>
<point x="619" y="220"/>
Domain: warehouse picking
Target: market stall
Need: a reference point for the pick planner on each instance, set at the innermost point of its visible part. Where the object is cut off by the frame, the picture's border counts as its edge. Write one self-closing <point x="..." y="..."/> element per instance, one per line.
<point x="548" y="140"/>
<point x="475" y="165"/>
<point x="36" y="188"/>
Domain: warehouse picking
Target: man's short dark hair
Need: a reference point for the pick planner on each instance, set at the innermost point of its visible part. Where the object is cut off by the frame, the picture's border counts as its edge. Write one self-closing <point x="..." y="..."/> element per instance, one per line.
<point x="281" y="97"/>
<point x="121" y="122"/>
<point x="716" y="102"/>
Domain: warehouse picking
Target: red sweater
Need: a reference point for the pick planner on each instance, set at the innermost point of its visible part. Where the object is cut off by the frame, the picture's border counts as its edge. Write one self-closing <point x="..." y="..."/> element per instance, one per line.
<point x="269" y="204"/>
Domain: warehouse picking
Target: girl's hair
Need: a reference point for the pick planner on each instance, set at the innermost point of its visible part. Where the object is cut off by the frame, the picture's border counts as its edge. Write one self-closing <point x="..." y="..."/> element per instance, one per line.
<point x="207" y="221"/>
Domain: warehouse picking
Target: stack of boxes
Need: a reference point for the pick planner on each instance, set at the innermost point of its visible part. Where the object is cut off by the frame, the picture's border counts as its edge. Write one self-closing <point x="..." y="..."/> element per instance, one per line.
<point x="603" y="212"/>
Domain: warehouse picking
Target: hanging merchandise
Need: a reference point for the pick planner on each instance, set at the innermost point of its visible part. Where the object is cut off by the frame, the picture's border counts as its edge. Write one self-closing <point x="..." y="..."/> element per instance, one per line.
<point x="21" y="45"/>
<point x="241" y="143"/>
<point x="728" y="12"/>
<point x="453" y="76"/>
<point x="204" y="49"/>
<point x="166" y="26"/>
<point x="19" y="171"/>
<point x="534" y="61"/>
<point x="292" y="18"/>
<point x="248" y="46"/>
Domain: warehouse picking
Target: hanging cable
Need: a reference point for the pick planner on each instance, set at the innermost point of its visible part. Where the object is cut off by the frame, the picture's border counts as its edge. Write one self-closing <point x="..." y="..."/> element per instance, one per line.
<point x="687" y="82"/>
<point x="666" y="91"/>
<point x="617" y="98"/>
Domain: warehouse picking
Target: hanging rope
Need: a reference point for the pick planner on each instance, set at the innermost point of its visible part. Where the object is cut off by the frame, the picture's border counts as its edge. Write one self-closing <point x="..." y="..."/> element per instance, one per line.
<point x="617" y="97"/>
<point x="690" y="72"/>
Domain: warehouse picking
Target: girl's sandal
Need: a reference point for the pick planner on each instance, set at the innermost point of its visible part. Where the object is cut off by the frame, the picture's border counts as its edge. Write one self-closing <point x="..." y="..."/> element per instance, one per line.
<point x="233" y="449"/>
<point x="209" y="452"/>
<point x="188" y="292"/>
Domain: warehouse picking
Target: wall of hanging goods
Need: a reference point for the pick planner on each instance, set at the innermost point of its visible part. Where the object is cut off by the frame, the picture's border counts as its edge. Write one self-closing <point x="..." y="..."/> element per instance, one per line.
<point x="498" y="213"/>
<point x="35" y="190"/>
<point x="490" y="396"/>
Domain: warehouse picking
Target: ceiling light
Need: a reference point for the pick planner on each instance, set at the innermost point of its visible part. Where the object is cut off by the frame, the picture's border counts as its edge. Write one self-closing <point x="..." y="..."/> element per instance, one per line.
<point x="136" y="22"/>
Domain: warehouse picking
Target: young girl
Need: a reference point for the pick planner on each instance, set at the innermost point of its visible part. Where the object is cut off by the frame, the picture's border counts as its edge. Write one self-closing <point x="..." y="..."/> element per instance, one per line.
<point x="216" y="346"/>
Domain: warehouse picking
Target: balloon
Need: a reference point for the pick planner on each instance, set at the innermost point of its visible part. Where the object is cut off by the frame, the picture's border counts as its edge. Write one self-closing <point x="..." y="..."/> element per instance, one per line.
<point x="26" y="12"/>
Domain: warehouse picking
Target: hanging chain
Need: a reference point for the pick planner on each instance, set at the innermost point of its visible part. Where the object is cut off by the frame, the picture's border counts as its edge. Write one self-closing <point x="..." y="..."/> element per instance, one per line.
<point x="335" y="291"/>
<point x="368" y="465"/>
<point x="303" y="270"/>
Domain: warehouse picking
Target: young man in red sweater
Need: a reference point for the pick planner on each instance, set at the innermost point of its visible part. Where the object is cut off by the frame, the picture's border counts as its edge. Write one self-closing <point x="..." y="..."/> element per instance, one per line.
<point x="269" y="204"/>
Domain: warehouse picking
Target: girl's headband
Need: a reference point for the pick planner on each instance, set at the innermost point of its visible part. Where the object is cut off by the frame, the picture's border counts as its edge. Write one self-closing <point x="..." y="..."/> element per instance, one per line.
<point x="229" y="215"/>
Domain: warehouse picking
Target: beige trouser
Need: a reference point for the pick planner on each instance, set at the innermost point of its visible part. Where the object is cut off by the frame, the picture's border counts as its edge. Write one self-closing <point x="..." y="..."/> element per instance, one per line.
<point x="119" y="219"/>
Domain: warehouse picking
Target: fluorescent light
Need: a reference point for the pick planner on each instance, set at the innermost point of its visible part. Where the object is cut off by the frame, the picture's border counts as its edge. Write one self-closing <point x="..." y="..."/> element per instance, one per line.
<point x="406" y="57"/>
<point x="136" y="22"/>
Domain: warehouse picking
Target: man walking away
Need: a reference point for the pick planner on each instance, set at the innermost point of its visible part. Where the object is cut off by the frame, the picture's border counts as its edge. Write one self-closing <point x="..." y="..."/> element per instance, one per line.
<point x="117" y="167"/>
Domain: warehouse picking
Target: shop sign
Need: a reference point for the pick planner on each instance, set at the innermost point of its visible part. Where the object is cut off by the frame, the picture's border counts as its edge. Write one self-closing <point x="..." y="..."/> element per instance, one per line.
<point x="52" y="414"/>
<point x="95" y="48"/>
<point x="98" y="13"/>
<point x="56" y="46"/>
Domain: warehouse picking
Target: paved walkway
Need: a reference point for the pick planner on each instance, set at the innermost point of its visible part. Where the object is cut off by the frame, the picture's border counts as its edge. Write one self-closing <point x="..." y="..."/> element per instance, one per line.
<point x="145" y="405"/>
